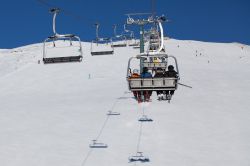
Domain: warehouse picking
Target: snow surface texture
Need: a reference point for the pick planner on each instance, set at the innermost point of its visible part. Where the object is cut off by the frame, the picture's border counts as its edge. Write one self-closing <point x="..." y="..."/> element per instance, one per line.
<point x="49" y="114"/>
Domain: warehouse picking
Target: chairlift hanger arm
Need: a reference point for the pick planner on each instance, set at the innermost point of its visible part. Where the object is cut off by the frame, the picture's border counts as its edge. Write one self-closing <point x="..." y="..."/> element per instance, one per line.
<point x="54" y="10"/>
<point x="97" y="30"/>
<point x="80" y="18"/>
<point x="114" y="28"/>
<point x="128" y="68"/>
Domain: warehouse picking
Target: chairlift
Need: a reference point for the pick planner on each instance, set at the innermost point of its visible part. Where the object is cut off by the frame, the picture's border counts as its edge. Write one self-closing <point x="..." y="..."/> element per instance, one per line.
<point x="101" y="46"/>
<point x="132" y="42"/>
<point x="152" y="84"/>
<point x="96" y="144"/>
<point x="146" y="35"/>
<point x="144" y="118"/>
<point x="128" y="33"/>
<point x="64" y="38"/>
<point x="118" y="40"/>
<point x="137" y="46"/>
<point x="113" y="113"/>
<point x="156" y="39"/>
<point x="138" y="157"/>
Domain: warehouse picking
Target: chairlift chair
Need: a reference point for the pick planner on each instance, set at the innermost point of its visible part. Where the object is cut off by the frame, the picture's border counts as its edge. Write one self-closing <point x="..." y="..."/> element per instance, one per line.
<point x="101" y="46"/>
<point x="113" y="113"/>
<point x="59" y="37"/>
<point x="96" y="144"/>
<point x="144" y="118"/>
<point x="152" y="84"/>
<point x="138" y="157"/>
<point x="118" y="40"/>
<point x="137" y="46"/>
<point x="132" y="42"/>
<point x="155" y="36"/>
<point x="154" y="41"/>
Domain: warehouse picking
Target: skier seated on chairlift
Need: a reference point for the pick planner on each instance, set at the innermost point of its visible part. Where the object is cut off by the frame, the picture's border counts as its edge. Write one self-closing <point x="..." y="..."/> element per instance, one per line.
<point x="159" y="73"/>
<point x="137" y="94"/>
<point x="146" y="74"/>
<point x="153" y="47"/>
<point x="170" y="73"/>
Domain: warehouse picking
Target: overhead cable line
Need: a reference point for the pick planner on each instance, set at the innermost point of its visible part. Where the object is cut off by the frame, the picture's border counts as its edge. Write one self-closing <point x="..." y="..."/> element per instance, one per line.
<point x="77" y="17"/>
<point x="101" y="131"/>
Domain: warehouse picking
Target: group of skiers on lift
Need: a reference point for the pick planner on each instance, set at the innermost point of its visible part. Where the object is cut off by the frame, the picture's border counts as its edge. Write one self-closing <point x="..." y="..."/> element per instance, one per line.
<point x="159" y="73"/>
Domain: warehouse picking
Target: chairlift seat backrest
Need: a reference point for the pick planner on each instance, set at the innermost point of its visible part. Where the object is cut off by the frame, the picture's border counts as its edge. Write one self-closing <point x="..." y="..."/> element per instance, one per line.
<point x="147" y="82"/>
<point x="102" y="46"/>
<point x="158" y="83"/>
<point x="136" y="84"/>
<point x="170" y="82"/>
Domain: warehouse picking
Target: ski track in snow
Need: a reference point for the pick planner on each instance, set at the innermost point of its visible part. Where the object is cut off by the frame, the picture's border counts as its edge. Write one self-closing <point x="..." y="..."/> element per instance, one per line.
<point x="50" y="113"/>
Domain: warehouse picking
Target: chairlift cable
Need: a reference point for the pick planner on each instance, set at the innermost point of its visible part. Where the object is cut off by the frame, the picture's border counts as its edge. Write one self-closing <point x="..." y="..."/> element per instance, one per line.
<point x="106" y="120"/>
<point x="153" y="5"/>
<point x="103" y="126"/>
<point x="139" y="138"/>
<point x="140" y="133"/>
<point x="100" y="133"/>
<point x="86" y="21"/>
<point x="44" y="2"/>
<point x="87" y="157"/>
<point x="143" y="110"/>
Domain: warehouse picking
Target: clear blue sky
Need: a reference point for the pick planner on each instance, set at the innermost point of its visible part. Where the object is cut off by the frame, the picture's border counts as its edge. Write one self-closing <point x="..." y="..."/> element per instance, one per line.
<point x="27" y="22"/>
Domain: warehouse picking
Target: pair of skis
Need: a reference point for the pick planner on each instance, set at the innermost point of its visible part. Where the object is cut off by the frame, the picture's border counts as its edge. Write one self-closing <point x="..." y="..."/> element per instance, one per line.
<point x="163" y="97"/>
<point x="143" y="98"/>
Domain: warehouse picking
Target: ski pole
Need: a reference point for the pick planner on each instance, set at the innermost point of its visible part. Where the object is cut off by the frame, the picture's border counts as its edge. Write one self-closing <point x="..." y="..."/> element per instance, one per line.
<point x="185" y="85"/>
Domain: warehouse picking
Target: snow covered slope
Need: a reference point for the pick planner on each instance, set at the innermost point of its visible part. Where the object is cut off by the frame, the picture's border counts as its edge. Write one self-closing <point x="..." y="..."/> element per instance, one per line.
<point x="50" y="113"/>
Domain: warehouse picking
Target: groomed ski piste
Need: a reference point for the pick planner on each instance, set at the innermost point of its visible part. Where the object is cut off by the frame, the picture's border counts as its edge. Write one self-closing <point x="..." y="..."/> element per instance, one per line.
<point x="49" y="114"/>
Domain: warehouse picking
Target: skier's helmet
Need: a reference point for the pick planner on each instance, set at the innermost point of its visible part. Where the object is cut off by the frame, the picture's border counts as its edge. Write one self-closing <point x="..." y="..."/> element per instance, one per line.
<point x="145" y="69"/>
<point x="159" y="69"/>
<point x="170" y="67"/>
<point x="136" y="71"/>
